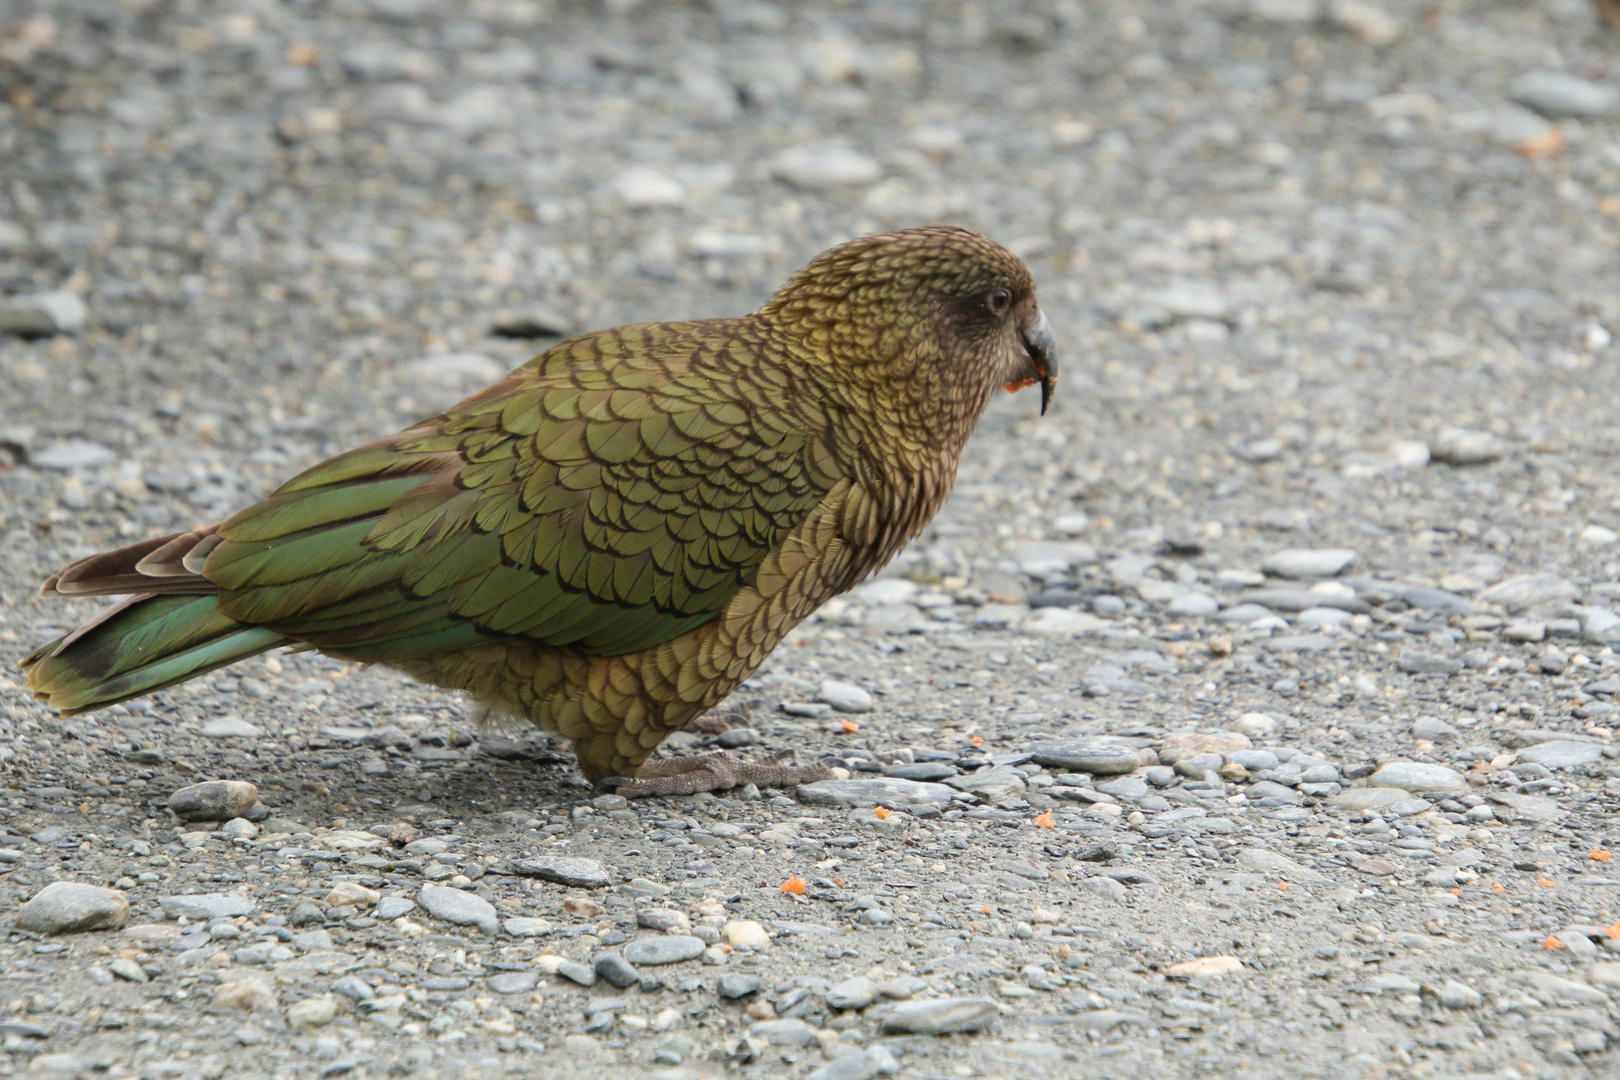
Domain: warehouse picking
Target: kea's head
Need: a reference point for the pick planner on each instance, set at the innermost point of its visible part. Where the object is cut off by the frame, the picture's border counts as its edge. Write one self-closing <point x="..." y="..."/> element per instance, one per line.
<point x="937" y="305"/>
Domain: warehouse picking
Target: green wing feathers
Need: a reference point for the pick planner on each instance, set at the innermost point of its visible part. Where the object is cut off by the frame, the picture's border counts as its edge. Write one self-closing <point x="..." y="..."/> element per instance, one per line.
<point x="607" y="497"/>
<point x="606" y="509"/>
<point x="140" y="646"/>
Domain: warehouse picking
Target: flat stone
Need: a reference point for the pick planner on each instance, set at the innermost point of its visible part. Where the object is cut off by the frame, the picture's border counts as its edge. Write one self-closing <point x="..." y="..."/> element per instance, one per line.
<point x="72" y="454"/>
<point x="1194" y="604"/>
<point x="993" y="784"/>
<point x="42" y="314"/>
<point x="734" y="985"/>
<point x="1463" y="446"/>
<point x="1205" y="967"/>
<point x="820" y="168"/>
<point x="580" y="873"/>
<point x="513" y="982"/>
<point x="1048" y="558"/>
<point x="1308" y="562"/>
<point x="1091" y="755"/>
<point x="1267" y="861"/>
<point x="207" y="905"/>
<point x="940" y="1016"/>
<point x="1557" y="991"/>
<point x="1367" y="798"/>
<point x="214" y="800"/>
<point x="574" y="971"/>
<point x="1432" y="729"/>
<point x="1105" y="887"/>
<point x="924" y="771"/>
<point x="1227" y="743"/>
<point x="745" y="934"/>
<point x="665" y="949"/>
<point x="1531" y="591"/>
<point x="1600" y="626"/>
<point x="787" y="1032"/>
<point x="392" y="907"/>
<point x="459" y="907"/>
<point x="128" y="970"/>
<point x="70" y="907"/>
<point x="1562" y="754"/>
<point x="845" y="697"/>
<point x="1061" y="622"/>
<point x="1527" y="809"/>
<point x="855" y="993"/>
<point x="875" y="791"/>
<point x="1417" y="776"/>
<point x="230" y="727"/>
<point x="1557" y="94"/>
<point x="866" y="1064"/>
<point x="1423" y="662"/>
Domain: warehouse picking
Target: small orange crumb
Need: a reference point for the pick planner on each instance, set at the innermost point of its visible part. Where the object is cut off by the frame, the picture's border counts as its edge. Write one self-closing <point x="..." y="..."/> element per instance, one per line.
<point x="985" y="910"/>
<point x="851" y="726"/>
<point x="794" y="885"/>
<point x="838" y="881"/>
<point x="974" y="926"/>
<point x="1283" y="885"/>
<point x="1544" y="882"/>
<point x="1496" y="886"/>
<point x="1600" y="855"/>
<point x="1553" y="943"/>
<point x="1044" y="820"/>
<point x="882" y="812"/>
<point x="976" y="741"/>
<point x="1456" y="892"/>
<point x="1614" y="930"/>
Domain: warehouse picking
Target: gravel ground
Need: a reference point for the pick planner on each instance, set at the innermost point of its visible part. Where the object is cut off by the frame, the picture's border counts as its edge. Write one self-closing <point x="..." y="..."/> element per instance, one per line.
<point x="1250" y="715"/>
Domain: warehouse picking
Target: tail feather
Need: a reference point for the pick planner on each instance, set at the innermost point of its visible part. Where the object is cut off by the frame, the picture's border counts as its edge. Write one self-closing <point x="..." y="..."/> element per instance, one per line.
<point x="142" y="645"/>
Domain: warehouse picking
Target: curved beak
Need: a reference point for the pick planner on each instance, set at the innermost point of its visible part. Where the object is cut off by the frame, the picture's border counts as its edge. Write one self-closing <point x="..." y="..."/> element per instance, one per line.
<point x="1042" y="349"/>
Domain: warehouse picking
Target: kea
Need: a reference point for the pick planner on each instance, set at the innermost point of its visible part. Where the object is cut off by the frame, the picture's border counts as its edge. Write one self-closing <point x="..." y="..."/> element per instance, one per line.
<point x="610" y="539"/>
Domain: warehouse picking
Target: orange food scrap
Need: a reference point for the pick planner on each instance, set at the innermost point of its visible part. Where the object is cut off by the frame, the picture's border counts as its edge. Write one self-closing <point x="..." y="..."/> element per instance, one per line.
<point x="838" y="881"/>
<point x="985" y="910"/>
<point x="1553" y="943"/>
<point x="1456" y="892"/>
<point x="851" y="726"/>
<point x="976" y="740"/>
<point x="1044" y="820"/>
<point x="1283" y="885"/>
<point x="1614" y="930"/>
<point x="1544" y="882"/>
<point x="1600" y="855"/>
<point x="794" y="885"/>
<point x="882" y="812"/>
<point x="1496" y="886"/>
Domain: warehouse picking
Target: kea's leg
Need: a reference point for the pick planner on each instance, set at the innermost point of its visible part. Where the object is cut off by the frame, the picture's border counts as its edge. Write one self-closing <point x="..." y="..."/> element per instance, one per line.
<point x="713" y="772"/>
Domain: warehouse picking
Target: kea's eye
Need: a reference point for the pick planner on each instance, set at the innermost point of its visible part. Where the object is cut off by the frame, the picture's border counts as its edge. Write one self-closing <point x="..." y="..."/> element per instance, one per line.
<point x="998" y="302"/>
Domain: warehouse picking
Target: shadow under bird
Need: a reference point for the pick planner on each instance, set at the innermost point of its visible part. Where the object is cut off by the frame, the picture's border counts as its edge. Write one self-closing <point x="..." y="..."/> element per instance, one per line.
<point x="613" y="537"/>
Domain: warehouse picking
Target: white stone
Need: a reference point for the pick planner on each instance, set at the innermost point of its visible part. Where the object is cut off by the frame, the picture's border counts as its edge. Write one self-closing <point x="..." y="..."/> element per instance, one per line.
<point x="42" y="314"/>
<point x="884" y="591"/>
<point x="453" y="368"/>
<point x="818" y="168"/>
<point x="1255" y="724"/>
<point x="1555" y="93"/>
<point x="643" y="187"/>
<point x="1597" y="536"/>
<point x="1308" y="562"/>
<point x="1060" y="622"/>
<point x="746" y="934"/>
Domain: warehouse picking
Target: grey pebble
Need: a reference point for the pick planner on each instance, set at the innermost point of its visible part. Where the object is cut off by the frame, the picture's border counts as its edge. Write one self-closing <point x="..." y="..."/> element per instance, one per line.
<point x="353" y="988"/>
<point x="856" y="993"/>
<point x="940" y="1016"/>
<point x="1555" y="93"/>
<point x="846" y="697"/>
<point x="71" y="907"/>
<point x="818" y="168"/>
<point x="72" y="454"/>
<point x="513" y="982"/>
<point x="790" y="1031"/>
<point x="1562" y="754"/>
<point x="1089" y="755"/>
<point x="580" y="873"/>
<point x="41" y="315"/>
<point x="734" y="985"/>
<point x="615" y="969"/>
<point x="1530" y="591"/>
<point x="230" y="727"/>
<point x="884" y="791"/>
<point x="866" y="1064"/>
<point x="924" y="771"/>
<point x="214" y="800"/>
<point x="666" y="949"/>
<point x="208" y="905"/>
<point x="1272" y="862"/>
<point x="573" y="970"/>
<point x="128" y="970"/>
<point x="459" y="907"/>
<point x="1423" y="662"/>
<point x="1417" y="776"/>
<point x="1433" y="730"/>
<point x="392" y="907"/>
<point x="1308" y="562"/>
